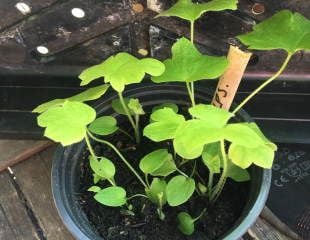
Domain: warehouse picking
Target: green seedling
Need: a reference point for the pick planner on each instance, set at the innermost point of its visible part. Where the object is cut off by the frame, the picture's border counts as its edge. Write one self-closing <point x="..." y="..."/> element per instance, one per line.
<point x="121" y="70"/>
<point x="184" y="53"/>
<point x="187" y="223"/>
<point x="204" y="137"/>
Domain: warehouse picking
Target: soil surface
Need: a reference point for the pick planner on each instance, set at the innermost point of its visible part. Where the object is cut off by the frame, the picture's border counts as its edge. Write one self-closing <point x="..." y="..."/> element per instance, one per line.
<point x="120" y="224"/>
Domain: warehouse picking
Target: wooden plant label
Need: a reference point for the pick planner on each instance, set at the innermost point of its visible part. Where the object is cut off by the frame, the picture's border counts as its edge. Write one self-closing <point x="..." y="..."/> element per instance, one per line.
<point x="230" y="80"/>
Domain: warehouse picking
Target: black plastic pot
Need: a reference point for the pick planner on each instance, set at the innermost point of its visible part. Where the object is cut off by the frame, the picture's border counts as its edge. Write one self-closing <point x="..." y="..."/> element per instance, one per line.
<point x="66" y="169"/>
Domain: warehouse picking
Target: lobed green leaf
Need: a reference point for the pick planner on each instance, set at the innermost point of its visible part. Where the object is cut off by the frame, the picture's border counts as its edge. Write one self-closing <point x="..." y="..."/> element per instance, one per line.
<point x="188" y="64"/>
<point x="173" y="106"/>
<point x="191" y="137"/>
<point x="243" y="156"/>
<point x="164" y="126"/>
<point x="121" y="70"/>
<point x="67" y="123"/>
<point x="284" y="30"/>
<point x="88" y="95"/>
<point x="212" y="116"/>
<point x="190" y="11"/>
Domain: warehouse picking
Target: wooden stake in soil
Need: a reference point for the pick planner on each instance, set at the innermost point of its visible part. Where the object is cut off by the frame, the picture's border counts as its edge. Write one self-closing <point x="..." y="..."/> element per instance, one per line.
<point x="230" y="80"/>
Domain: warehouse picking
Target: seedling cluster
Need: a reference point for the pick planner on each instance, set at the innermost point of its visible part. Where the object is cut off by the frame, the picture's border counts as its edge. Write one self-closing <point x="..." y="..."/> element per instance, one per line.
<point x="205" y="134"/>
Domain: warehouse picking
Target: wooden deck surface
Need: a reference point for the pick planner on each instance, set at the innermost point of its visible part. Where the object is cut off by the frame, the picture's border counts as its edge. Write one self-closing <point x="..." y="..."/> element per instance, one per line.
<point x="27" y="209"/>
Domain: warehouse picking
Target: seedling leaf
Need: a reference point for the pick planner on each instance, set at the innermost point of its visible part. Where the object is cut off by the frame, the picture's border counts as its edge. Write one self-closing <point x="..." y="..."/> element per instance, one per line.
<point x="118" y="108"/>
<point x="166" y="169"/>
<point x="188" y="64"/>
<point x="67" y="123"/>
<point x="121" y="70"/>
<point x="211" y="157"/>
<point x="186" y="223"/>
<point x="102" y="167"/>
<point x="111" y="196"/>
<point x="179" y="190"/>
<point x="284" y="30"/>
<point x="96" y="178"/>
<point x="94" y="189"/>
<point x="157" y="192"/>
<point x="135" y="106"/>
<point x="88" y="95"/>
<point x="164" y="126"/>
<point x="236" y="173"/>
<point x="154" y="160"/>
<point x="190" y="11"/>
<point x="103" y="125"/>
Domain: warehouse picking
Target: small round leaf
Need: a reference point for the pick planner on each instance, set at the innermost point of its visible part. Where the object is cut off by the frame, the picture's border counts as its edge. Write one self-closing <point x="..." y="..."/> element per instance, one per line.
<point x="154" y="160"/>
<point x="111" y="196"/>
<point x="103" y="125"/>
<point x="179" y="190"/>
<point x="186" y="223"/>
<point x="103" y="168"/>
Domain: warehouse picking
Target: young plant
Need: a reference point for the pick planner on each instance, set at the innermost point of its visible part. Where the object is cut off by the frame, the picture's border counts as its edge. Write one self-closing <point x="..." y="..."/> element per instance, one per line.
<point x="184" y="53"/>
<point x="206" y="138"/>
<point x="121" y="70"/>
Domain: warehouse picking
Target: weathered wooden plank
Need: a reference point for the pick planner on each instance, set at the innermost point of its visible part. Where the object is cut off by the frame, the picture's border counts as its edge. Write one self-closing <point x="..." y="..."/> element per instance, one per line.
<point x="33" y="177"/>
<point x="6" y="231"/>
<point x="14" y="151"/>
<point x="262" y="230"/>
<point x="10" y="14"/>
<point x="274" y="221"/>
<point x="15" y="223"/>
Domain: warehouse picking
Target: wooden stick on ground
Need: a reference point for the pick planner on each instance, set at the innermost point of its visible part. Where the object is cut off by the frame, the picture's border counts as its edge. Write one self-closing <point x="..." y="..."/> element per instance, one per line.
<point x="230" y="80"/>
<point x="25" y="154"/>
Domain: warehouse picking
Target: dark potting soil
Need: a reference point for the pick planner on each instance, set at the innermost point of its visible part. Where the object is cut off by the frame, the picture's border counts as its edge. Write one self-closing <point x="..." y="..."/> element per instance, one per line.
<point x="120" y="224"/>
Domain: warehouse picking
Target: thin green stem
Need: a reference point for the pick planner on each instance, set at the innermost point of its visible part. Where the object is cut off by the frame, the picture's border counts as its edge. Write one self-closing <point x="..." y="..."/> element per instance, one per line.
<point x="137" y="195"/>
<point x="210" y="183"/>
<point x="190" y="93"/>
<point x="126" y="133"/>
<point x="194" y="169"/>
<point x="182" y="173"/>
<point x="133" y="124"/>
<point x="220" y="185"/>
<point x="277" y="74"/>
<point x="192" y="31"/>
<point x="200" y="178"/>
<point x="120" y="155"/>
<point x="111" y="181"/>
<point x="137" y="118"/>
<point x="90" y="148"/>
<point x="201" y="214"/>
<point x="147" y="180"/>
<point x="192" y="83"/>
